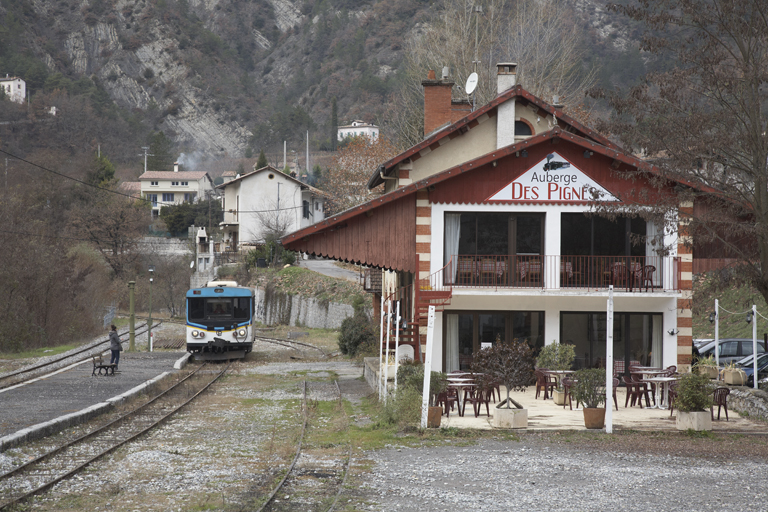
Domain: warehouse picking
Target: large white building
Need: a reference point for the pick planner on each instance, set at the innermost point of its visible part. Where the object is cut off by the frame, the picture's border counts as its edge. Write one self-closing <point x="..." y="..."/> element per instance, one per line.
<point x="358" y="129"/>
<point x="14" y="88"/>
<point x="164" y="188"/>
<point x="266" y="200"/>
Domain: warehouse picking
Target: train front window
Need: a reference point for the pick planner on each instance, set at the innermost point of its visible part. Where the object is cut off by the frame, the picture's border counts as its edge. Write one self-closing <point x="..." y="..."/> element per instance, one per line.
<point x="229" y="308"/>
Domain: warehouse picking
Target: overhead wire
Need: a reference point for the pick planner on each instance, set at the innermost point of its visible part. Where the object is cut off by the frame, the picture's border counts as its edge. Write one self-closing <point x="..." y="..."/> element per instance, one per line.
<point x="129" y="196"/>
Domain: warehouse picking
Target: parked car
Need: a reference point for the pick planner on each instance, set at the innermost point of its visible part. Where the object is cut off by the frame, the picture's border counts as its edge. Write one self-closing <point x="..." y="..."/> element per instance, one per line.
<point x="700" y="342"/>
<point x="731" y="349"/>
<point x="747" y="365"/>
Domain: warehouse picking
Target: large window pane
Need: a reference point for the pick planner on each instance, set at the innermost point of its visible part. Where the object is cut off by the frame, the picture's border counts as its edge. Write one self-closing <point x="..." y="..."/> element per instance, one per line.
<point x="528" y="237"/>
<point x="493" y="233"/>
<point x="492" y="328"/>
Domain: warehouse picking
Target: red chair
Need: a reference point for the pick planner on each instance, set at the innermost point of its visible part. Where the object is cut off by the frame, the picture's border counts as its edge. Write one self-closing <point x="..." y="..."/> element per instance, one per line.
<point x="636" y="390"/>
<point x="544" y="381"/>
<point x="720" y="400"/>
<point x="672" y="396"/>
<point x="615" y="385"/>
<point x="647" y="277"/>
<point x="477" y="397"/>
<point x="448" y="399"/>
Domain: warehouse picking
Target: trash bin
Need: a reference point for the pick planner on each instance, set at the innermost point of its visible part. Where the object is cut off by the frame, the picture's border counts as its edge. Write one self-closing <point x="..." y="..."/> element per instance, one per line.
<point x="261" y="263"/>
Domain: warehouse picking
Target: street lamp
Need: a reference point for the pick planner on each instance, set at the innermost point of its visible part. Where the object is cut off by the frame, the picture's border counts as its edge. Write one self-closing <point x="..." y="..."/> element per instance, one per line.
<point x="149" y="332"/>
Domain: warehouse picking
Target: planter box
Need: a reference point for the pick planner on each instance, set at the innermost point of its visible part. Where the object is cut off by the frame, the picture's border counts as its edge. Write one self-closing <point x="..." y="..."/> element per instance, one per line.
<point x="509" y="418"/>
<point x="711" y="372"/>
<point x="594" y="417"/>
<point x="559" y="396"/>
<point x="700" y="420"/>
<point x="434" y="414"/>
<point x="735" y="377"/>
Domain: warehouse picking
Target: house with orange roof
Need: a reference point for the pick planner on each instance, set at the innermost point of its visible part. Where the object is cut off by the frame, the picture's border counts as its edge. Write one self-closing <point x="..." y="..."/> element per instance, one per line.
<point x="165" y="188"/>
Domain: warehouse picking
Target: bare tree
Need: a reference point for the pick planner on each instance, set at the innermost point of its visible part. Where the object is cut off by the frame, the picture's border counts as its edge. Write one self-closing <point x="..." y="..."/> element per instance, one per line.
<point x="704" y="121"/>
<point x="347" y="178"/>
<point x="540" y="36"/>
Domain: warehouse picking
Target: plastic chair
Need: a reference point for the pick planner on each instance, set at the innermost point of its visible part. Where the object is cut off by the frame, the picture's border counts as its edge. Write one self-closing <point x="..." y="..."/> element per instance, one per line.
<point x="615" y="385"/>
<point x="545" y="382"/>
<point x="636" y="390"/>
<point x="448" y="399"/>
<point x="672" y="396"/>
<point x="720" y="400"/>
<point x="647" y="277"/>
<point x="477" y="397"/>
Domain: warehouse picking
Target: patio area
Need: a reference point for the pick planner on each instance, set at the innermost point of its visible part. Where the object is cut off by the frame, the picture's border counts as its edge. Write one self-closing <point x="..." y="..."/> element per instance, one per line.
<point x="545" y="415"/>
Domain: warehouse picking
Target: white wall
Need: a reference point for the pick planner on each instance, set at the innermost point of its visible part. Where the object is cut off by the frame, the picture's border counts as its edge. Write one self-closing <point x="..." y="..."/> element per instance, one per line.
<point x="551" y="301"/>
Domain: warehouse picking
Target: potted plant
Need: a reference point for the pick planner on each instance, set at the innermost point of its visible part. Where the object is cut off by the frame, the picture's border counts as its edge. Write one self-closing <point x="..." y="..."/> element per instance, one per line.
<point x="510" y="365"/>
<point x="707" y="366"/>
<point x="693" y="401"/>
<point x="438" y="383"/>
<point x="734" y="375"/>
<point x="589" y="389"/>
<point x="558" y="357"/>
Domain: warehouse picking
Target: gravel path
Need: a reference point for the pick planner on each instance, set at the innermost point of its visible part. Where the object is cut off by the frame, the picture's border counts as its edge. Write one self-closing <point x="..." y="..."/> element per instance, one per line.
<point x="528" y="475"/>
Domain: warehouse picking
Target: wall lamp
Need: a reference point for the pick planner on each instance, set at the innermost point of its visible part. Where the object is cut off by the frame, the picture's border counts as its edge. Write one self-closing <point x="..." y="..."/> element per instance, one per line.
<point x="712" y="317"/>
<point x="524" y="153"/>
<point x="672" y="332"/>
<point x="749" y="317"/>
<point x="587" y="153"/>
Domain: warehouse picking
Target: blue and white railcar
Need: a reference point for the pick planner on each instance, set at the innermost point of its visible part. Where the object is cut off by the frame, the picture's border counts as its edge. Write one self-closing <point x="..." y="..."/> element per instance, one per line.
<point x="220" y="320"/>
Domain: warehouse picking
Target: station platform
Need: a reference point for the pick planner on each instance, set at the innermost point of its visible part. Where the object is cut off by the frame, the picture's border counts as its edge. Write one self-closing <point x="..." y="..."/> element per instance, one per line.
<point x="72" y="395"/>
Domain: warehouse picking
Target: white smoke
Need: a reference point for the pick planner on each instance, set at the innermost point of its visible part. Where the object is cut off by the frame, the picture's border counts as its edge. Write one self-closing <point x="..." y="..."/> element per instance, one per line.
<point x="191" y="161"/>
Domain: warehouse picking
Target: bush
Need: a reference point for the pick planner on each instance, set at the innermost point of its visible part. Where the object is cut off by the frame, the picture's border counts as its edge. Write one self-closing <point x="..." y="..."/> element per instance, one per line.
<point x="357" y="332"/>
<point x="556" y="356"/>
<point x="404" y="409"/>
<point x="694" y="393"/>
<point x="589" y="388"/>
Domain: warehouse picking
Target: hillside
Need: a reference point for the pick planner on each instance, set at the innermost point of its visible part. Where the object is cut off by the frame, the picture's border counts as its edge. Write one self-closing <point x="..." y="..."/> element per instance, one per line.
<point x="230" y="77"/>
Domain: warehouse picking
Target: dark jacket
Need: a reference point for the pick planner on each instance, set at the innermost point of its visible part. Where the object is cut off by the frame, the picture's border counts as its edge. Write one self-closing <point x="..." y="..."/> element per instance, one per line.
<point x="114" y="341"/>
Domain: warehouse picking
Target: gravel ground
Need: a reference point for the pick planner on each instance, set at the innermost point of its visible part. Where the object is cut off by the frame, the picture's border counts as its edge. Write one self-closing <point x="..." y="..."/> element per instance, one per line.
<point x="221" y="450"/>
<point x="530" y="475"/>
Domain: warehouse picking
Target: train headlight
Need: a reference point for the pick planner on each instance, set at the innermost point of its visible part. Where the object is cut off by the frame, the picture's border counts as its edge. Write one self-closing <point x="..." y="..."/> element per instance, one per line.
<point x="195" y="334"/>
<point x="242" y="332"/>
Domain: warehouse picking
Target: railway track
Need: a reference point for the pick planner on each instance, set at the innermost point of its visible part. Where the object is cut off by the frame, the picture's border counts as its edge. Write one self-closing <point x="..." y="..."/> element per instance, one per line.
<point x="289" y="343"/>
<point x="298" y="480"/>
<point x="69" y="358"/>
<point x="56" y="464"/>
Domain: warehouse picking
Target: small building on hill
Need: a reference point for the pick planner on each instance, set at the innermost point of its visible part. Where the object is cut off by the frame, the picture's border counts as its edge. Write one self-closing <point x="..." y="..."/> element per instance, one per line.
<point x="358" y="129"/>
<point x="14" y="88"/>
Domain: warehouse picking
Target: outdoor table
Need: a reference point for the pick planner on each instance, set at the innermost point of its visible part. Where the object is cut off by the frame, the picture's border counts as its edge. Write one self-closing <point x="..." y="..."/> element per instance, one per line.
<point x="662" y="399"/>
<point x="559" y="374"/>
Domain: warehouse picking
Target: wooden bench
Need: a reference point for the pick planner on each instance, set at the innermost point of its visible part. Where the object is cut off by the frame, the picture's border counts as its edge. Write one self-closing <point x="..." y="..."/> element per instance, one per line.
<point x="102" y="368"/>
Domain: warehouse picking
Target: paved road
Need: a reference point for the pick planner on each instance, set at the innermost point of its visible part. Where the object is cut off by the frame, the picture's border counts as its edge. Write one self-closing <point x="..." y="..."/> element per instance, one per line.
<point x="329" y="268"/>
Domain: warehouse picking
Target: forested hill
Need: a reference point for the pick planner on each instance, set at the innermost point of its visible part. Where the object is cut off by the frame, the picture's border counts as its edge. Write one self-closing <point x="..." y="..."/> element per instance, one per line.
<point x="224" y="77"/>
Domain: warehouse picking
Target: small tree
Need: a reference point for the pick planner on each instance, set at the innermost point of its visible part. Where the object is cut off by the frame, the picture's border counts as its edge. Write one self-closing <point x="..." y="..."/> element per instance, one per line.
<point x="510" y="365"/>
<point x="694" y="393"/>
<point x="589" y="388"/>
<point x="262" y="161"/>
<point x="556" y="356"/>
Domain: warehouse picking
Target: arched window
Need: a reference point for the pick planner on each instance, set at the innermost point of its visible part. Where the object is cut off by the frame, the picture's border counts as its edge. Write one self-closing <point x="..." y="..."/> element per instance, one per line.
<point x="522" y="128"/>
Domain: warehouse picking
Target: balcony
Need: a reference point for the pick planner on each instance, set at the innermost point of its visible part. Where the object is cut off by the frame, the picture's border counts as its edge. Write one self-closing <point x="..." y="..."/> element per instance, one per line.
<point x="626" y="273"/>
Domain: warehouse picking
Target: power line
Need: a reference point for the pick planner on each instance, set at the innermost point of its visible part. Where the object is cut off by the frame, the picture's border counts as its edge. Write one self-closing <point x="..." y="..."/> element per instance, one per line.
<point x="137" y="198"/>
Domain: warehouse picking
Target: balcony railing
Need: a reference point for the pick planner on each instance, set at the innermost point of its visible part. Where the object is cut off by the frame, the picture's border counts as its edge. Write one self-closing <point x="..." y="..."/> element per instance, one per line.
<point x="630" y="273"/>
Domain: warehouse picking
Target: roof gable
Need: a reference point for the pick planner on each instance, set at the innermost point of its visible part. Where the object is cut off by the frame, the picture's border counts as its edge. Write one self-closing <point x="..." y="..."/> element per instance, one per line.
<point x="517" y="93"/>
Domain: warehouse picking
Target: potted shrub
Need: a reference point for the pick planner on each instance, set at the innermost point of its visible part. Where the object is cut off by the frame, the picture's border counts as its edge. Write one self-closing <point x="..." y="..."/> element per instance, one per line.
<point x="694" y="398"/>
<point x="734" y="375"/>
<point x="589" y="389"/>
<point x="557" y="356"/>
<point x="707" y="366"/>
<point x="511" y="366"/>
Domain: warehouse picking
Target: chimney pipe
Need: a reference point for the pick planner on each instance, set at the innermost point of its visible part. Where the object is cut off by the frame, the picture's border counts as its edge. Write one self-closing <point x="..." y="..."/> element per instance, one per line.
<point x="506" y="75"/>
<point x="175" y="166"/>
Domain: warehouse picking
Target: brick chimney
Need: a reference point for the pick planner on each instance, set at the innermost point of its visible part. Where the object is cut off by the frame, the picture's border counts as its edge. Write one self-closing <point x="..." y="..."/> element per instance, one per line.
<point x="437" y="102"/>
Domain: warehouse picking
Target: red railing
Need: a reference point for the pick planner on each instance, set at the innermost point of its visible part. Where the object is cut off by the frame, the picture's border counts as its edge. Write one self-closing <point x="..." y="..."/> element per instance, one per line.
<point x="632" y="273"/>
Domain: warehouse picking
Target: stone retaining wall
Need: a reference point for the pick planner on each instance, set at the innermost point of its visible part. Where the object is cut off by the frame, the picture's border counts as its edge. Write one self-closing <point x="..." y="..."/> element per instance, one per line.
<point x="273" y="308"/>
<point x="749" y="401"/>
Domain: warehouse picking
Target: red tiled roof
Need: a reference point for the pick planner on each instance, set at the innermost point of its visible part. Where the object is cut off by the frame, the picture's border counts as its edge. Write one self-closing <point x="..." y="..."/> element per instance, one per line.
<point x="170" y="175"/>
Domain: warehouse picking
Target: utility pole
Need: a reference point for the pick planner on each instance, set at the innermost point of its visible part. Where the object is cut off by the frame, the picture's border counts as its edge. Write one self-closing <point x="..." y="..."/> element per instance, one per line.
<point x="131" y="317"/>
<point x="146" y="154"/>
<point x="478" y="12"/>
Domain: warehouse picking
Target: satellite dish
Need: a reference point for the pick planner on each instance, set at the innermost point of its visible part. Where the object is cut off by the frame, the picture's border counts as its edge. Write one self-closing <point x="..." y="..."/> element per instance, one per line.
<point x="471" y="83"/>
